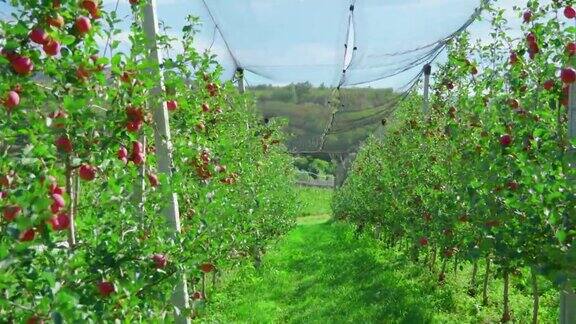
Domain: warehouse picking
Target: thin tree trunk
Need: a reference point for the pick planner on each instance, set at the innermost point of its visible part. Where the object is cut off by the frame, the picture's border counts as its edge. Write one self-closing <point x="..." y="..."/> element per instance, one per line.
<point x="204" y="285"/>
<point x="214" y="278"/>
<point x="415" y="253"/>
<point x="442" y="276"/>
<point x="506" y="314"/>
<point x="472" y="289"/>
<point x="433" y="263"/>
<point x="535" y="295"/>
<point x="485" y="287"/>
<point x="76" y="197"/>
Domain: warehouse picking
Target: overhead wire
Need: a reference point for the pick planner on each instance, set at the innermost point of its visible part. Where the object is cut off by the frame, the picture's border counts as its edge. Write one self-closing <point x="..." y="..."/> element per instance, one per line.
<point x="217" y="26"/>
<point x="349" y="62"/>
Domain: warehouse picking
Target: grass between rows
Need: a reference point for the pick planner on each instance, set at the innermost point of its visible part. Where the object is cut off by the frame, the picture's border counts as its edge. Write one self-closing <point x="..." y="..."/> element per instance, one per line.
<point x="322" y="273"/>
<point x="314" y="201"/>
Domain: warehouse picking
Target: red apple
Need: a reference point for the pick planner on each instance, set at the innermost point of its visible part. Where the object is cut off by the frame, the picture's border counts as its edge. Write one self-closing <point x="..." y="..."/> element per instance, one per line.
<point x="207" y="267"/>
<point x="137" y="147"/>
<point x="106" y="288"/>
<point x="505" y="140"/>
<point x="51" y="48"/>
<point x="28" y="235"/>
<point x="54" y="189"/>
<point x="513" y="185"/>
<point x="58" y="200"/>
<point x="64" y="144"/>
<point x="527" y="16"/>
<point x="82" y="73"/>
<point x="423" y="241"/>
<point x="11" y="212"/>
<point x="549" y="85"/>
<point x="87" y="172"/>
<point x="34" y="320"/>
<point x="126" y="77"/>
<point x="568" y="75"/>
<point x="12" y="100"/>
<point x="55" y="208"/>
<point x="133" y="126"/>
<point x="473" y="70"/>
<point x="10" y="55"/>
<point x="92" y="7"/>
<point x="138" y="158"/>
<point x="172" y="105"/>
<point x="513" y="103"/>
<point x="569" y="12"/>
<point x="571" y="48"/>
<point x="513" y="58"/>
<point x="60" y="222"/>
<point x="205" y="107"/>
<point x="38" y="36"/>
<point x="56" y="21"/>
<point x="22" y="65"/>
<point x="197" y="295"/>
<point x="153" y="179"/>
<point x="159" y="260"/>
<point x="83" y="24"/>
<point x="134" y="2"/>
<point x="533" y="50"/>
<point x="123" y="154"/>
<point x="531" y="38"/>
<point x="135" y="114"/>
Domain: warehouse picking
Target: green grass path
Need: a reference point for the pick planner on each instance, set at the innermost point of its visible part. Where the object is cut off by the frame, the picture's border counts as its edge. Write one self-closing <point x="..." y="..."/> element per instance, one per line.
<point x="319" y="273"/>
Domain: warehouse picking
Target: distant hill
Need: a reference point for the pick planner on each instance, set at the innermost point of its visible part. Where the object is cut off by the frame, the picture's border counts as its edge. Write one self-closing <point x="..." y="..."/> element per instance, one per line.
<point x="309" y="110"/>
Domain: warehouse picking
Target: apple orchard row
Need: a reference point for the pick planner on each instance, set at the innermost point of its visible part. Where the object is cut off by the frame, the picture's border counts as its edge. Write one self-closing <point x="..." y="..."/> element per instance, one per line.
<point x="70" y="112"/>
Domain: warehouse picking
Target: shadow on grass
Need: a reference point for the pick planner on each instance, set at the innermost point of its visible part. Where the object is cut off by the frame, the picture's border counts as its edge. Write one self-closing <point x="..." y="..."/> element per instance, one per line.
<point x="340" y="280"/>
<point x="321" y="274"/>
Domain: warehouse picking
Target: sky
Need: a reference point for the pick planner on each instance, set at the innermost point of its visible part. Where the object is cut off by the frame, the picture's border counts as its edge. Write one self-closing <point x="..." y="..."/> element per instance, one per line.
<point x="288" y="41"/>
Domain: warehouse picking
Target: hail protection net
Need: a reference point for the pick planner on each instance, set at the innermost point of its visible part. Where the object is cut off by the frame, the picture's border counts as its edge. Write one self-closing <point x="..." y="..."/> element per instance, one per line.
<point x="332" y="62"/>
<point x="339" y="45"/>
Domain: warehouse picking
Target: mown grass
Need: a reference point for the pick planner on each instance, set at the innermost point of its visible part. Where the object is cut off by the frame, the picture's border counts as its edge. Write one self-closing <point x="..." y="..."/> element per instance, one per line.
<point x="323" y="273"/>
<point x="314" y="201"/>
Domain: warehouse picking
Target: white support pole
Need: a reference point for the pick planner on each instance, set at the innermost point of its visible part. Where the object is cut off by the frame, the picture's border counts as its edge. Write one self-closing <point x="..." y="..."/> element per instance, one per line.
<point x="164" y="147"/>
<point x="240" y="76"/>
<point x="567" y="294"/>
<point x="426" y="103"/>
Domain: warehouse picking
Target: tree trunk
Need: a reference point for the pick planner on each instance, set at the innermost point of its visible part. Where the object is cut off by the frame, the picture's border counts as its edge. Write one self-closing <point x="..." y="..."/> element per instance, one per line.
<point x="472" y="289"/>
<point x="415" y="253"/>
<point x="433" y="263"/>
<point x="204" y="285"/>
<point x="442" y="276"/>
<point x="485" y="287"/>
<point x="506" y="314"/>
<point x="535" y="295"/>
